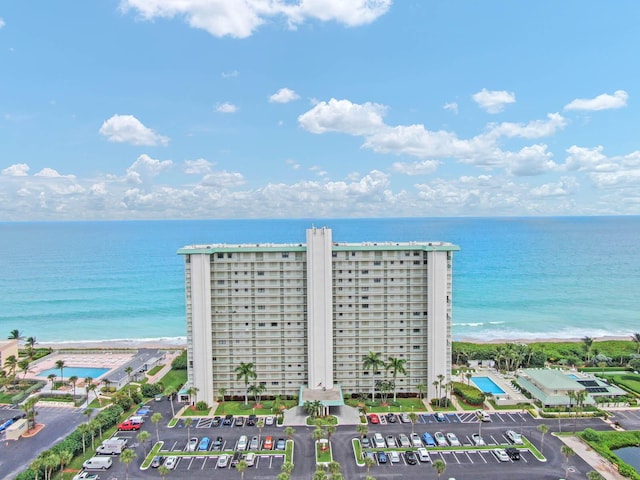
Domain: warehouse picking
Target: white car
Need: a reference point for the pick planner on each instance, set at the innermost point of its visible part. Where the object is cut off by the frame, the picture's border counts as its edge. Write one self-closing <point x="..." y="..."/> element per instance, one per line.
<point x="404" y="441"/>
<point x="423" y="455"/>
<point x="404" y="418"/>
<point x="483" y="416"/>
<point x="477" y="439"/>
<point x="416" y="441"/>
<point x="378" y="441"/>
<point x="441" y="440"/>
<point x="192" y="445"/>
<point x="514" y="437"/>
<point x="500" y="454"/>
<point x="269" y="420"/>
<point x="250" y="458"/>
<point x="171" y="462"/>
<point x="453" y="440"/>
<point x="243" y="442"/>
<point x="223" y="461"/>
<point x="394" y="456"/>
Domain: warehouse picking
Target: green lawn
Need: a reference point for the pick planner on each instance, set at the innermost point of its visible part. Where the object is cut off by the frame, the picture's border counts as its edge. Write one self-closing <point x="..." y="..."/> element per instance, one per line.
<point x="174" y="378"/>
<point x="323" y="456"/>
<point x="239" y="408"/>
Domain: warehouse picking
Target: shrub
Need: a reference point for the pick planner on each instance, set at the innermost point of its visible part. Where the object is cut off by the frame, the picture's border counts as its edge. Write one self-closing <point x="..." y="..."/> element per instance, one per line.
<point x="469" y="393"/>
<point x="151" y="389"/>
<point x="180" y="362"/>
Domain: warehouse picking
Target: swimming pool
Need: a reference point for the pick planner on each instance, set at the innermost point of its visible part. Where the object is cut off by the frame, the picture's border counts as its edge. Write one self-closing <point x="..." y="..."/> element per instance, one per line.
<point x="486" y="385"/>
<point x="80" y="372"/>
<point x="574" y="377"/>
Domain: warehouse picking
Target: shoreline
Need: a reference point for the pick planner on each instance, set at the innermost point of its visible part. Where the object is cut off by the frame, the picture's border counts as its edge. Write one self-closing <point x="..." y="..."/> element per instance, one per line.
<point x="181" y="342"/>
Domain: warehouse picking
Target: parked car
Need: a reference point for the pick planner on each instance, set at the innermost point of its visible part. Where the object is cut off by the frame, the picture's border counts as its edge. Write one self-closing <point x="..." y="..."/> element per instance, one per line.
<point x="404" y="418"/>
<point x="423" y="455"/>
<point x="280" y="444"/>
<point x="223" y="461"/>
<point x="410" y="457"/>
<point x="365" y="442"/>
<point x="216" y="421"/>
<point x="500" y="454"/>
<point x="483" y="416"/>
<point x="394" y="456"/>
<point x="192" y="445"/>
<point x="251" y="421"/>
<point x="268" y="443"/>
<point x="204" y="444"/>
<point x="440" y="417"/>
<point x="157" y="461"/>
<point x="269" y="420"/>
<point x="254" y="444"/>
<point x="391" y="418"/>
<point x="86" y="476"/>
<point x="383" y="419"/>
<point x="239" y="422"/>
<point x="250" y="458"/>
<point x="217" y="444"/>
<point x="441" y="440"/>
<point x="243" y="442"/>
<point x="477" y="439"/>
<point x="453" y="440"/>
<point x="391" y="441"/>
<point x="415" y="440"/>
<point x="382" y="457"/>
<point x="514" y="437"/>
<point x="374" y="419"/>
<point x="236" y="459"/>
<point x="170" y="462"/>
<point x="228" y="420"/>
<point x="378" y="440"/>
<point x="404" y="441"/>
<point x="428" y="439"/>
<point x="514" y="453"/>
<point x="129" y="425"/>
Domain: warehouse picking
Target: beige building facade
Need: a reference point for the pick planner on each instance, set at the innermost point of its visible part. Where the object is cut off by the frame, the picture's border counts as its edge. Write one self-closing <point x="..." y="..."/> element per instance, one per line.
<point x="306" y="315"/>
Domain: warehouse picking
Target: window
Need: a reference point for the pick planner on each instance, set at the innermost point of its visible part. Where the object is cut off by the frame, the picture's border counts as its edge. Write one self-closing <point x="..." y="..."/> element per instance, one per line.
<point x="365" y="305"/>
<point x="416" y="314"/>
<point x="260" y="273"/>
<point x="365" y="297"/>
<point x="416" y="347"/>
<point x="261" y="324"/>
<point x="261" y="290"/>
<point x="220" y="282"/>
<point x="416" y="330"/>
<point x="274" y="324"/>
<point x="220" y="255"/>
<point x="229" y="255"/>
<point x="285" y="254"/>
<point x="378" y="262"/>
<point x="261" y="307"/>
<point x="377" y="280"/>
<point x="416" y="262"/>
<point x="353" y="254"/>
<point x="365" y="272"/>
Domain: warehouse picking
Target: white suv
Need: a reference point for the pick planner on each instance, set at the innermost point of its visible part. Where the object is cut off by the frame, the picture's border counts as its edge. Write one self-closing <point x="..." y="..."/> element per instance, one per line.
<point x="378" y="441"/>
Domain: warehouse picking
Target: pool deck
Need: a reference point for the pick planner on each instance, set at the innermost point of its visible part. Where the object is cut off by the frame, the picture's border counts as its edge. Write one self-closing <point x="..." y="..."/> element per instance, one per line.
<point x="511" y="395"/>
<point x="106" y="360"/>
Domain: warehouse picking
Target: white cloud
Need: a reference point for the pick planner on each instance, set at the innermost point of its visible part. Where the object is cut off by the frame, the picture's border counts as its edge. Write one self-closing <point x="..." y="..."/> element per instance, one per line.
<point x="425" y="167"/>
<point x="223" y="179"/>
<point x="293" y="164"/>
<point x="493" y="101"/>
<point x="566" y="186"/>
<point x="16" y="170"/>
<point x="601" y="102"/>
<point x="452" y="107"/>
<point x="51" y="173"/>
<point x="587" y="159"/>
<point x="128" y="129"/>
<point x="2" y="24"/>
<point x="343" y="116"/>
<point x="241" y="18"/>
<point x="532" y="160"/>
<point x="533" y="129"/>
<point x="226" y="107"/>
<point x="197" y="167"/>
<point x="147" y="167"/>
<point x="231" y="74"/>
<point x="284" y="95"/>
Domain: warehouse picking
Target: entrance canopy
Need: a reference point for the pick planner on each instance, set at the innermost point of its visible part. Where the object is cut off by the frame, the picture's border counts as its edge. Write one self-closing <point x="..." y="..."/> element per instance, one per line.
<point x="329" y="397"/>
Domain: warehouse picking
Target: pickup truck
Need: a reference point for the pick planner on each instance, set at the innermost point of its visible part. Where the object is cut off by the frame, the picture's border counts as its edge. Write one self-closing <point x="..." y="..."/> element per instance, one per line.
<point x="86" y="476"/>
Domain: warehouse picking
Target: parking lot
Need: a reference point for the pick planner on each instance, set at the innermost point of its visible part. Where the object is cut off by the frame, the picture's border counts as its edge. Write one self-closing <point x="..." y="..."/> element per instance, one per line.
<point x="461" y="463"/>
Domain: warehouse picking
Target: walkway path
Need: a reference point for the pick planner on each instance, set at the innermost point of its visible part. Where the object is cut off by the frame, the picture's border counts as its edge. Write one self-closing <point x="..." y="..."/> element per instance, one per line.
<point x="598" y="463"/>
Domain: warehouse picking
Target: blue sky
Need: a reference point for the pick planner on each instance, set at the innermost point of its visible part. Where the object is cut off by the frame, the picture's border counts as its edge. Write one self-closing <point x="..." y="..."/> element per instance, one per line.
<point x="154" y="109"/>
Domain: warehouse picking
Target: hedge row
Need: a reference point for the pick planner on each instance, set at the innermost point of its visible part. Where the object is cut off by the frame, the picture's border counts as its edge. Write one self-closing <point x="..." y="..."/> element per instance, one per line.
<point x="73" y="443"/>
<point x="469" y="393"/>
<point x="606" y="442"/>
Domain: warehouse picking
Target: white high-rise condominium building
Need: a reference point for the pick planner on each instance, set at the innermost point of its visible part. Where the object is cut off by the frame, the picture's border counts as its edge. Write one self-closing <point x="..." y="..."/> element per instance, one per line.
<point x="306" y="315"/>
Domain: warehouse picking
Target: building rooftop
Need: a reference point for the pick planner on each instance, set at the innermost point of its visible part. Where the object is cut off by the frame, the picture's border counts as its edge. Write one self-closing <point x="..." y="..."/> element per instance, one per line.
<point x="551" y="379"/>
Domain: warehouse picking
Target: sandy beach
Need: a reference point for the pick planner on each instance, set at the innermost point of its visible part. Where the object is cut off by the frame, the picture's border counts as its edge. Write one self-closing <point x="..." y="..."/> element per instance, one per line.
<point x="132" y="343"/>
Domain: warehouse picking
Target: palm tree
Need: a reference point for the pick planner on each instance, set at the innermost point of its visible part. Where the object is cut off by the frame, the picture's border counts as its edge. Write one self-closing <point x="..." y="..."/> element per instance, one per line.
<point x="440" y="380"/>
<point x="283" y="476"/>
<point x="319" y="474"/>
<point x="439" y="466"/>
<point x="91" y="387"/>
<point x="73" y="380"/>
<point x="51" y="461"/>
<point x="163" y="471"/>
<point x="636" y="338"/>
<point x="369" y="462"/>
<point x="36" y="466"/>
<point x="52" y="377"/>
<point x="413" y="417"/>
<point x="129" y="371"/>
<point x="593" y="475"/>
<point x="170" y="393"/>
<point x="23" y="365"/>
<point x="422" y="388"/>
<point x="330" y="429"/>
<point x="334" y="468"/>
<point x="188" y="422"/>
<point x="318" y="434"/>
<point x="257" y="389"/>
<point x="65" y="457"/>
<point x="126" y="457"/>
<point x="15" y="335"/>
<point x="287" y="467"/>
<point x="372" y="362"/>
<point x="588" y="342"/>
<point x="396" y="365"/>
<point x="83" y="428"/>
<point x="362" y="429"/>
<point x="246" y="371"/>
<point x="142" y="437"/>
<point x="11" y="363"/>
<point x="567" y="451"/>
<point x="155" y="418"/>
<point x="222" y="391"/>
<point x="242" y="467"/>
<point x="60" y="364"/>
<point x="29" y="408"/>
<point x="542" y="428"/>
<point x="289" y="431"/>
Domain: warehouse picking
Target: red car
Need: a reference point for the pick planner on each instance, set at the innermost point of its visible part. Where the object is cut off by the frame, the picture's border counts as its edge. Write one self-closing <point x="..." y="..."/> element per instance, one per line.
<point x="373" y="418"/>
<point x="129" y="425"/>
<point x="268" y="443"/>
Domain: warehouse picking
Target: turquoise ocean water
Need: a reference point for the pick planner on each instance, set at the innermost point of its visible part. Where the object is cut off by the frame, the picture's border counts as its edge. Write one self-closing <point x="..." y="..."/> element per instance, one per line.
<point x="513" y="278"/>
